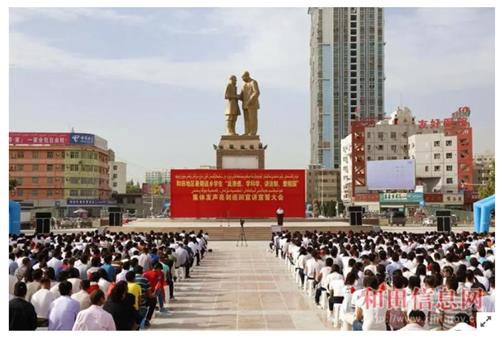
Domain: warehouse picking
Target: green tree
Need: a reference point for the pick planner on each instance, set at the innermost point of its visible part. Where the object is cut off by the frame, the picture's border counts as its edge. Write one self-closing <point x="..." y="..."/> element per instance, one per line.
<point x="133" y="187"/>
<point x="489" y="188"/>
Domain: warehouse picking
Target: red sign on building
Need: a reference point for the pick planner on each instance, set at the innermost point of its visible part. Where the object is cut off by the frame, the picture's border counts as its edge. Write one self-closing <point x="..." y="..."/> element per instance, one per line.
<point x="237" y="193"/>
<point x="38" y="138"/>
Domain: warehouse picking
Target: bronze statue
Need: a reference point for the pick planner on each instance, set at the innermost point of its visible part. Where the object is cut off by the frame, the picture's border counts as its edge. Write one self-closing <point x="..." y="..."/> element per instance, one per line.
<point x="250" y="97"/>
<point x="232" y="107"/>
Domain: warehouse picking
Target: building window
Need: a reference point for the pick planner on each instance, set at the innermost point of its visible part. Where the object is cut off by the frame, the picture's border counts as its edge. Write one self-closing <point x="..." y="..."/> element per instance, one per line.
<point x="437" y="143"/>
<point x="20" y="154"/>
<point x="49" y="192"/>
<point x="449" y="155"/>
<point x="50" y="167"/>
<point x="34" y="180"/>
<point x="394" y="148"/>
<point x="115" y="184"/>
<point x="20" y="167"/>
<point x="35" y="167"/>
<point x="74" y="154"/>
<point x="380" y="147"/>
<point x="34" y="154"/>
<point x="34" y="193"/>
<point x="380" y="136"/>
<point x="50" y="180"/>
<point x="73" y="192"/>
<point x="437" y="156"/>
<point x="437" y="168"/>
<point x="449" y="143"/>
<point x="73" y="167"/>
<point x="393" y="135"/>
<point x="449" y="168"/>
<point x="426" y="168"/>
<point x="449" y="180"/>
<point x="115" y="176"/>
<point x="50" y="154"/>
<point x="381" y="158"/>
<point x="20" y="192"/>
<point x="368" y="134"/>
<point x="115" y="167"/>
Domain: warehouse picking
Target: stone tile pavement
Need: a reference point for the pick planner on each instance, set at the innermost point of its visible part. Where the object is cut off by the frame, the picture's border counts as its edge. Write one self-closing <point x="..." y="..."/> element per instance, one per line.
<point x="241" y="288"/>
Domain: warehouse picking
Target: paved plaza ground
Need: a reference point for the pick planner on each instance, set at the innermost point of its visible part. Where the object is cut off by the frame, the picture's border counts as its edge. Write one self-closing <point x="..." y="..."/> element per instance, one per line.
<point x="241" y="288"/>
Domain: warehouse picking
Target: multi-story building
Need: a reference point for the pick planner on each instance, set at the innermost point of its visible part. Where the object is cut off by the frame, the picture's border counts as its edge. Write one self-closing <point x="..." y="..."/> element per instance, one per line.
<point x="383" y="140"/>
<point x="483" y="166"/>
<point x="436" y="164"/>
<point x="442" y="151"/>
<point x="155" y="177"/>
<point x="118" y="176"/>
<point x="59" y="170"/>
<point x="323" y="185"/>
<point x="347" y="76"/>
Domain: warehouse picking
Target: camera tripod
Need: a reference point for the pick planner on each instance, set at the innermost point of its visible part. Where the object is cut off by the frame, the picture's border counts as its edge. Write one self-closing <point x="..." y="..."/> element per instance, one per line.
<point x="242" y="238"/>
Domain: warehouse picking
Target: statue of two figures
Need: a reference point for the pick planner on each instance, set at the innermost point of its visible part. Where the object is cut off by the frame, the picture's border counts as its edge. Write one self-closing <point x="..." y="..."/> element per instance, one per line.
<point x="249" y="96"/>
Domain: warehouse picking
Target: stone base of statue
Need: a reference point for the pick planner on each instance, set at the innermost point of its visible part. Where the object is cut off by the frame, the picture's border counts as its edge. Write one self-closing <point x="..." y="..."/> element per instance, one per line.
<point x="240" y="152"/>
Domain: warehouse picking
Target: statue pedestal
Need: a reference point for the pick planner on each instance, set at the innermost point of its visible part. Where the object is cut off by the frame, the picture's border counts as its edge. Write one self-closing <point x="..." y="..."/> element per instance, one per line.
<point x="240" y="152"/>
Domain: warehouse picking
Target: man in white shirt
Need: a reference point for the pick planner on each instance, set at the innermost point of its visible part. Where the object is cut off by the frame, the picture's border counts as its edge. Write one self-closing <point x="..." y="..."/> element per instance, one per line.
<point x="83" y="265"/>
<point x="95" y="318"/>
<point x="416" y="321"/>
<point x="82" y="296"/>
<point x="42" y="299"/>
<point x="63" y="311"/>
<point x="12" y="264"/>
<point x="322" y="278"/>
<point x="33" y="286"/>
<point x="463" y="323"/>
<point x="144" y="260"/>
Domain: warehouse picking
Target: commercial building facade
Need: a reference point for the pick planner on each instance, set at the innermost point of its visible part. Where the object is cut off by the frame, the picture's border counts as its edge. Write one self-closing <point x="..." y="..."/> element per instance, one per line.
<point x="155" y="177"/>
<point x="347" y="76"/>
<point x="57" y="170"/>
<point x="442" y="150"/>
<point x="322" y="185"/>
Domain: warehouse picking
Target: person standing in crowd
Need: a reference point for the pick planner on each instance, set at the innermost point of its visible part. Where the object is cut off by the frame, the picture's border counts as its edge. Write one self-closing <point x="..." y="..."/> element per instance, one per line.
<point x="156" y="281"/>
<point x="41" y="301"/>
<point x="121" y="307"/>
<point x="63" y="310"/>
<point x="95" y="318"/>
<point x="34" y="284"/>
<point x="22" y="315"/>
<point x="148" y="299"/>
<point x="82" y="296"/>
<point x="134" y="288"/>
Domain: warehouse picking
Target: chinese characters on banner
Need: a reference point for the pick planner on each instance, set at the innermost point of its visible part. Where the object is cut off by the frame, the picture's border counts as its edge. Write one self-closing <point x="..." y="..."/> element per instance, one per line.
<point x="446" y="123"/>
<point x="237" y="193"/>
<point x="38" y="138"/>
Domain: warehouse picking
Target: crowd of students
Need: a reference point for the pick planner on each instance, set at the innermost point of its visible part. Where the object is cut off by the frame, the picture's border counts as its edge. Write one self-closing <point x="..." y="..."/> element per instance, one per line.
<point x="394" y="281"/>
<point x="92" y="281"/>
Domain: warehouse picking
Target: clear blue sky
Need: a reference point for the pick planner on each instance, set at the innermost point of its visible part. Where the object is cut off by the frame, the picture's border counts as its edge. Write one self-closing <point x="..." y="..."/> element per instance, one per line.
<point x="151" y="81"/>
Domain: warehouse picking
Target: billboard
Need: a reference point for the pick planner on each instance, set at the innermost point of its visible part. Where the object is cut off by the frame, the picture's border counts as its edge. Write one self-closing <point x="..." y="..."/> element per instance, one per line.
<point x="38" y="138"/>
<point x="390" y="175"/>
<point x="79" y="138"/>
<point x="236" y="193"/>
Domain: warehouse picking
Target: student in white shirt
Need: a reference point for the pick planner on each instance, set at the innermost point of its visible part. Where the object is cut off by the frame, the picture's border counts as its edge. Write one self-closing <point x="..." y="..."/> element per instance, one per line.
<point x="416" y="321"/>
<point x="42" y="299"/>
<point x="322" y="278"/>
<point x="82" y="296"/>
<point x="95" y="318"/>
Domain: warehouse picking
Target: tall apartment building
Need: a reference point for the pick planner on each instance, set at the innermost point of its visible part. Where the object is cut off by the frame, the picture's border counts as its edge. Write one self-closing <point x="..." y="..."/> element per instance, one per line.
<point x="347" y="76"/>
<point x="59" y="169"/>
<point x="155" y="177"/>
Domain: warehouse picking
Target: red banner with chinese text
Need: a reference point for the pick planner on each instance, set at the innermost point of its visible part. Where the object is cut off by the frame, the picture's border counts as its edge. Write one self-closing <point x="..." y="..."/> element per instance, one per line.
<point x="20" y="138"/>
<point x="236" y="193"/>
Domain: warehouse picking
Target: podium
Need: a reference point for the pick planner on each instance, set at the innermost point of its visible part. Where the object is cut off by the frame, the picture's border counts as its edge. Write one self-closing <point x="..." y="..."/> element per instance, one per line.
<point x="240" y="152"/>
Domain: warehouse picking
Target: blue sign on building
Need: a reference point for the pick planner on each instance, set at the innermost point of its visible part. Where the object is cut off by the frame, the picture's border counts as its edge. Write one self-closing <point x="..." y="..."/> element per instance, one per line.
<point x="79" y="138"/>
<point x="88" y="202"/>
